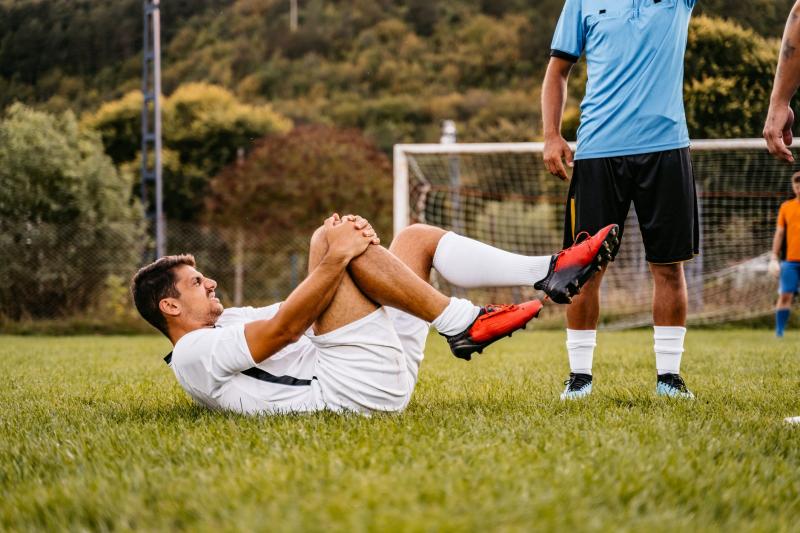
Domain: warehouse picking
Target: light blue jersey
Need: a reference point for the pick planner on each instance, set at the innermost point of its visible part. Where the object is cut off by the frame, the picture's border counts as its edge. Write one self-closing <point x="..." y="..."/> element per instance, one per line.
<point x="634" y="55"/>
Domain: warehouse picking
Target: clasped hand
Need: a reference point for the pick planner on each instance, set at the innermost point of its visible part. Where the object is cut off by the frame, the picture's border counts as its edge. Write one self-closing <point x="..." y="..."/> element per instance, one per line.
<point x="349" y="236"/>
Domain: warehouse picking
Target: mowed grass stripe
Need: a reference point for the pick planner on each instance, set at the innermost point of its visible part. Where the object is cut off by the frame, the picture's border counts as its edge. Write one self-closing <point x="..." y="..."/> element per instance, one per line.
<point x="96" y="434"/>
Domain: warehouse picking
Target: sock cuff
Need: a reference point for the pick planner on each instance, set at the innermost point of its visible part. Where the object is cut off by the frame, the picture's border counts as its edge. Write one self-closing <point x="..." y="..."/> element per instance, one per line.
<point x="668" y="340"/>
<point x="581" y="334"/>
<point x="669" y="332"/>
<point x="445" y="243"/>
<point x="456" y="317"/>
<point x="581" y="338"/>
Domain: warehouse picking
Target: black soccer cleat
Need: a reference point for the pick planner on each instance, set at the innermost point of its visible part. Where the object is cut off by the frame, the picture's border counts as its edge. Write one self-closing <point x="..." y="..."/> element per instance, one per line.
<point x="673" y="386"/>
<point x="577" y="386"/>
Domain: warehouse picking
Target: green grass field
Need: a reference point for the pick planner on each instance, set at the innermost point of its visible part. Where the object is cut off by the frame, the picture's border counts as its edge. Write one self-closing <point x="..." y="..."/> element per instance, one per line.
<point x="96" y="434"/>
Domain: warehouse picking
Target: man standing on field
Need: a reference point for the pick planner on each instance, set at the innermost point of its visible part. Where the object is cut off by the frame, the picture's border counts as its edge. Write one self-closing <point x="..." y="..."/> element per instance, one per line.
<point x="780" y="118"/>
<point x="633" y="146"/>
<point x="788" y="231"/>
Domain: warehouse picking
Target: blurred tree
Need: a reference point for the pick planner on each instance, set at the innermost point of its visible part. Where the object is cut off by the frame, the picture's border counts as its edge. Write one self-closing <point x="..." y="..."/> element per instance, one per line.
<point x="291" y="182"/>
<point x="729" y="72"/>
<point x="67" y="220"/>
<point x="203" y="127"/>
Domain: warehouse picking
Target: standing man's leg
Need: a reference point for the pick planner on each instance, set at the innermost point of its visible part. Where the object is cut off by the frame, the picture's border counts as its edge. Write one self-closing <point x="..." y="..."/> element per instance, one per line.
<point x="783" y="309"/>
<point x="599" y="194"/>
<point x="582" y="317"/>
<point x="670" y="302"/>
<point x="666" y="203"/>
<point x="788" y="285"/>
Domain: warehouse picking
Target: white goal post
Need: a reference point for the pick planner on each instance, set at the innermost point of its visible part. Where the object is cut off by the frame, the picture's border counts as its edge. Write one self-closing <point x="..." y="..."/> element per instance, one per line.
<point x="501" y="193"/>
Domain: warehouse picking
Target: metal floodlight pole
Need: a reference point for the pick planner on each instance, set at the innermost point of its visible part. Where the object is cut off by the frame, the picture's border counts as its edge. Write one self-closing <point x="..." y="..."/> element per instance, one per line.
<point x="454" y="169"/>
<point x="151" y="119"/>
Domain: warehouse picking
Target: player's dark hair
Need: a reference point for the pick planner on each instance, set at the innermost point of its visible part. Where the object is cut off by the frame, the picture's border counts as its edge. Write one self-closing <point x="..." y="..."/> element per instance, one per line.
<point x="153" y="283"/>
<point x="796" y="177"/>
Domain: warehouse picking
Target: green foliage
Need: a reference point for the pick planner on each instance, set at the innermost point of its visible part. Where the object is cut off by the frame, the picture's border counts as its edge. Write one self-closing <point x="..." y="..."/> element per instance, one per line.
<point x="381" y="66"/>
<point x="330" y="170"/>
<point x="729" y="73"/>
<point x="203" y="127"/>
<point x="66" y="217"/>
<point x="766" y="17"/>
<point x="95" y="434"/>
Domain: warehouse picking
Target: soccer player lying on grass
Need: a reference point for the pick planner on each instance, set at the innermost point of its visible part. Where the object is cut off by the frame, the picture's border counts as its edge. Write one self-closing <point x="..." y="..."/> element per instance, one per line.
<point x="351" y="336"/>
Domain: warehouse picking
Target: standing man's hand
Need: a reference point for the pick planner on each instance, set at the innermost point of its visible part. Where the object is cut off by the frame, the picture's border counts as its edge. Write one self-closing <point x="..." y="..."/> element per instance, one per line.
<point x="556" y="153"/>
<point x="778" y="131"/>
<point x="778" y="128"/>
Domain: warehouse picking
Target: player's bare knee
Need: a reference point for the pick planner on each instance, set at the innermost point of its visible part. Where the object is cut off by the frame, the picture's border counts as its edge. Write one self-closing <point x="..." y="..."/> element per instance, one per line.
<point x="317" y="247"/>
<point x="418" y="236"/>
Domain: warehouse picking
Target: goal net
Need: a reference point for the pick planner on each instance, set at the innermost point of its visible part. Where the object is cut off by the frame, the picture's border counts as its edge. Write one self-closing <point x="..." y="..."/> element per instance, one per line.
<point x="500" y="193"/>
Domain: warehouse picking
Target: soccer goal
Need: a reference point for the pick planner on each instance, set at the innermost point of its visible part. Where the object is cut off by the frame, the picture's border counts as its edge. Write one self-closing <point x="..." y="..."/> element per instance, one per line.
<point x="501" y="194"/>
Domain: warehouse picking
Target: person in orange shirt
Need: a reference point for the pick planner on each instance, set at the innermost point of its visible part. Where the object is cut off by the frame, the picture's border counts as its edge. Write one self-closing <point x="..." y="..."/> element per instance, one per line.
<point x="788" y="229"/>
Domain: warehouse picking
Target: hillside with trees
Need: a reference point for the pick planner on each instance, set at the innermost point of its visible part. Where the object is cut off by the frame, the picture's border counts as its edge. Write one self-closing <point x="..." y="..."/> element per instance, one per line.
<point x="393" y="69"/>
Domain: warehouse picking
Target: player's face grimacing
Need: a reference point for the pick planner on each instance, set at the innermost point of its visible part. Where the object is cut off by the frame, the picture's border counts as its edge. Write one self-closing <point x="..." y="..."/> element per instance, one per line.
<point x="197" y="301"/>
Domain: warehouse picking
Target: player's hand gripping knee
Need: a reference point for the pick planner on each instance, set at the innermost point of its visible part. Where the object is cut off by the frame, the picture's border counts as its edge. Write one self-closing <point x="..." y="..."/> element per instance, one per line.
<point x="363" y="224"/>
<point x="556" y="151"/>
<point x="345" y="241"/>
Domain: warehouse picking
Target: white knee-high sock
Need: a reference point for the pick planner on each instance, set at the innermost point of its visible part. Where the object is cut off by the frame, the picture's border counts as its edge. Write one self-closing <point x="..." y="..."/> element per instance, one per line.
<point x="669" y="348"/>
<point x="469" y="263"/>
<point x="456" y="317"/>
<point x="580" y="348"/>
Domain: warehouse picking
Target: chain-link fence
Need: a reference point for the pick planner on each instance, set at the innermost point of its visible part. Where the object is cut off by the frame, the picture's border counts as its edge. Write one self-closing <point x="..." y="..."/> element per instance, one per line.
<point x="80" y="273"/>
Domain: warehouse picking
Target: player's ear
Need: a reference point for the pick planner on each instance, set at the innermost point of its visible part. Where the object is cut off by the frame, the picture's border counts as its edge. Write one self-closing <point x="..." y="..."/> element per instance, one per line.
<point x="170" y="306"/>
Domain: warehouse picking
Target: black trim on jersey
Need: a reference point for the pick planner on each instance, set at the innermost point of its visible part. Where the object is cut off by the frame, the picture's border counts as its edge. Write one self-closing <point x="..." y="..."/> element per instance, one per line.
<point x="563" y="55"/>
<point x="263" y="375"/>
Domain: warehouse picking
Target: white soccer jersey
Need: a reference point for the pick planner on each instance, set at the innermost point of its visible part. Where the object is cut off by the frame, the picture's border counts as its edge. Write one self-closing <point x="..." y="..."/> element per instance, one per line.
<point x="368" y="365"/>
<point x="209" y="362"/>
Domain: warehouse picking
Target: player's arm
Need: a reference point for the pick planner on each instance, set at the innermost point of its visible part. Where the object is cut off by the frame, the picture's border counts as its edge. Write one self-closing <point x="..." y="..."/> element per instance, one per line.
<point x="554" y="98"/>
<point x="778" y="126"/>
<point x="774" y="267"/>
<point x="777" y="242"/>
<point x="309" y="300"/>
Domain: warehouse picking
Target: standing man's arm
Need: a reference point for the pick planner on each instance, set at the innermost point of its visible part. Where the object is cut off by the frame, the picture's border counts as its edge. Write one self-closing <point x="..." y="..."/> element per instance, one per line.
<point x="565" y="49"/>
<point x="778" y="127"/>
<point x="554" y="97"/>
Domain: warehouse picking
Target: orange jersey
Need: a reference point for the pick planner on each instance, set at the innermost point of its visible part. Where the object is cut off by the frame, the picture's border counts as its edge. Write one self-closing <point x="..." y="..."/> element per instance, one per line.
<point x="789" y="220"/>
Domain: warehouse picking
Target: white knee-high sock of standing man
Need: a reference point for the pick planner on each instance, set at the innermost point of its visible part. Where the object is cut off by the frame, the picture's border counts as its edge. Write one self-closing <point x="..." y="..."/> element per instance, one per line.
<point x="668" y="345"/>
<point x="580" y="349"/>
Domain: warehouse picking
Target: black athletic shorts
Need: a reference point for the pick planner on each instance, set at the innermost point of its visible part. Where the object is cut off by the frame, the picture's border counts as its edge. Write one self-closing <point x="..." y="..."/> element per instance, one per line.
<point x="661" y="187"/>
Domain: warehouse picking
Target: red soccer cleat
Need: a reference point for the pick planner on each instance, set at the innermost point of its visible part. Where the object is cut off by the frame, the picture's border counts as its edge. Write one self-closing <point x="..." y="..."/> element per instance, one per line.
<point x="493" y="323"/>
<point x="570" y="269"/>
